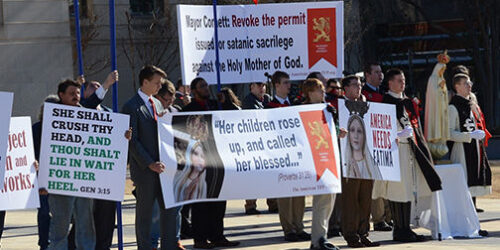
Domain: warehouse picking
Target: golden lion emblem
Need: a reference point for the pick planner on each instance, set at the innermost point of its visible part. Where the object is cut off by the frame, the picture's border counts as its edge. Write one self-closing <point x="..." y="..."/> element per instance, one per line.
<point x="322" y="25"/>
<point x="317" y="130"/>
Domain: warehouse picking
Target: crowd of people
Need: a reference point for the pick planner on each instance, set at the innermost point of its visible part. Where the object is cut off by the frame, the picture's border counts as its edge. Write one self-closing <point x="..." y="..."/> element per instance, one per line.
<point x="387" y="204"/>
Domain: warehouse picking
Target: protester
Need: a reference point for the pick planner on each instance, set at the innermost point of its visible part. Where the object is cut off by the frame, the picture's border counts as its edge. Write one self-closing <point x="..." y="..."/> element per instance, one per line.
<point x="357" y="191"/>
<point x="104" y="210"/>
<point x="145" y="164"/>
<point x="374" y="92"/>
<point x="207" y="218"/>
<point x="467" y="138"/>
<point x="282" y="85"/>
<point x="228" y="99"/>
<point x="63" y="207"/>
<point x="373" y="89"/>
<point x="2" y="223"/>
<point x="416" y="165"/>
<point x="172" y="102"/>
<point x="314" y="92"/>
<point x="333" y="92"/>
<point x="258" y="99"/>
<point x="319" y="76"/>
<point x="167" y="96"/>
<point x="291" y="209"/>
<point x="182" y="94"/>
<point x="43" y="215"/>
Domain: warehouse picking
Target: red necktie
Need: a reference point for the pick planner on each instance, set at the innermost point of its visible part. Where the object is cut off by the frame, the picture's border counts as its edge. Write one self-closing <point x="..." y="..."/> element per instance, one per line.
<point x="154" y="109"/>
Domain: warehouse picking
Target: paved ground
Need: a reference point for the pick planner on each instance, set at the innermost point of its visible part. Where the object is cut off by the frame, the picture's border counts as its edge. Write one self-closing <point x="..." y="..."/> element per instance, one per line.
<point x="264" y="231"/>
<point x="259" y="231"/>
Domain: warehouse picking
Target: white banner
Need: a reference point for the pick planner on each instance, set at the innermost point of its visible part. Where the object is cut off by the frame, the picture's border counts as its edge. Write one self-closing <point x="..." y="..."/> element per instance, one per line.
<point x="6" y="99"/>
<point x="20" y="190"/>
<point x="297" y="38"/>
<point x="248" y="154"/>
<point x="83" y="152"/>
<point x="369" y="151"/>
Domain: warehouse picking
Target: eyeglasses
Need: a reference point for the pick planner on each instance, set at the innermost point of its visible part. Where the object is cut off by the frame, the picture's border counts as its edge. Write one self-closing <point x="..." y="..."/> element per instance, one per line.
<point x="165" y="99"/>
<point x="354" y="85"/>
<point x="335" y="87"/>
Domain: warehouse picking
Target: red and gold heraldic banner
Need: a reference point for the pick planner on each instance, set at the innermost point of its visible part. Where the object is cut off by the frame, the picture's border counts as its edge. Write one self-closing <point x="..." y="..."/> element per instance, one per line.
<point x="321" y="36"/>
<point x="318" y="134"/>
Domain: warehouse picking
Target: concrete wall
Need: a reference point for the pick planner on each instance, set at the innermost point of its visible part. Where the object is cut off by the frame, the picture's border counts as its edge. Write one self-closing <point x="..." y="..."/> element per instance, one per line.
<point x="35" y="51"/>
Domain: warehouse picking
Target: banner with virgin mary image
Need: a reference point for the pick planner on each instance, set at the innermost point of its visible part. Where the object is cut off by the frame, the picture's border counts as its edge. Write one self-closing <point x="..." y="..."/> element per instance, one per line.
<point x="370" y="150"/>
<point x="248" y="154"/>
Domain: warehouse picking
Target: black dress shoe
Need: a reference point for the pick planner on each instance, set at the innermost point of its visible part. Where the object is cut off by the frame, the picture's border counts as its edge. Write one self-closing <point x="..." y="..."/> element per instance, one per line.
<point x="479" y="210"/>
<point x="323" y="244"/>
<point x="368" y="243"/>
<point x="203" y="245"/>
<point x="333" y="233"/>
<point x="382" y="226"/>
<point x="408" y="236"/>
<point x="419" y="237"/>
<point x="355" y="244"/>
<point x="252" y="211"/>
<point x="225" y="243"/>
<point x="483" y="233"/>
<point x="303" y="236"/>
<point x="291" y="237"/>
<point x="402" y="235"/>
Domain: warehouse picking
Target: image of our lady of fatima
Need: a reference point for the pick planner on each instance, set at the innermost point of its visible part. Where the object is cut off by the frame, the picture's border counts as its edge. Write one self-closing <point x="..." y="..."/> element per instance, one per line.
<point x="357" y="160"/>
<point x="200" y="172"/>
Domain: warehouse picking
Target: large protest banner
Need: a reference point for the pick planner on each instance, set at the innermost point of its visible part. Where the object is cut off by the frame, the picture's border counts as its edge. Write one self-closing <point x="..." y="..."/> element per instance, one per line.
<point x="369" y="151"/>
<point x="20" y="190"/>
<point x="6" y="99"/>
<point x="297" y="38"/>
<point x="83" y="152"/>
<point x="248" y="154"/>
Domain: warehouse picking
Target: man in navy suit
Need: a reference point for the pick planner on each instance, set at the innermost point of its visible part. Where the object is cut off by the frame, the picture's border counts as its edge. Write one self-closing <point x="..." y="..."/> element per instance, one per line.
<point x="144" y="159"/>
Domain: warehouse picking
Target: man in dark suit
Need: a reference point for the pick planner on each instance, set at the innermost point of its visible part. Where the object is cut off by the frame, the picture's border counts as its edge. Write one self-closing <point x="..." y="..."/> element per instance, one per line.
<point x="144" y="159"/>
<point x="182" y="94"/>
<point x="374" y="92"/>
<point x="373" y="89"/>
<point x="282" y="85"/>
<point x="207" y="218"/>
<point x="291" y="209"/>
<point x="104" y="210"/>
<point x="258" y="99"/>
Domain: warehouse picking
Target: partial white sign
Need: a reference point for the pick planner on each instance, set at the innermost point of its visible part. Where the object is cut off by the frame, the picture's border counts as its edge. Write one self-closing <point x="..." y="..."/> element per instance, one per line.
<point x="20" y="190"/>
